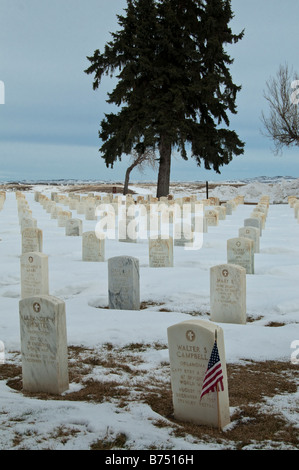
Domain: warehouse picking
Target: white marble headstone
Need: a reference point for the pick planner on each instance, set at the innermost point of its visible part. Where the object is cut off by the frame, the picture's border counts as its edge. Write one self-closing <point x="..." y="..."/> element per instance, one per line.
<point x="253" y="222"/>
<point x="93" y="248"/>
<point x="44" y="344"/>
<point x="228" y="293"/>
<point x="254" y="234"/>
<point x="190" y="346"/>
<point x="34" y="274"/>
<point x="63" y="216"/>
<point x="32" y="240"/>
<point x="240" y="251"/>
<point x="123" y="283"/>
<point x="73" y="228"/>
<point x="161" y="253"/>
<point x="212" y="217"/>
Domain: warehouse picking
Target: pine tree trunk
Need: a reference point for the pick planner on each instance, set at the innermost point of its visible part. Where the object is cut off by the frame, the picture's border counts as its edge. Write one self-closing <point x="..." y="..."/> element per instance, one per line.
<point x="164" y="167"/>
<point x="126" y="183"/>
<point x="128" y="172"/>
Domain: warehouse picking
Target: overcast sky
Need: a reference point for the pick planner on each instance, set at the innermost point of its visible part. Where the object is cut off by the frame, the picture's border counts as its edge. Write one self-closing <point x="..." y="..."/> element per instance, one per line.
<point x="51" y="116"/>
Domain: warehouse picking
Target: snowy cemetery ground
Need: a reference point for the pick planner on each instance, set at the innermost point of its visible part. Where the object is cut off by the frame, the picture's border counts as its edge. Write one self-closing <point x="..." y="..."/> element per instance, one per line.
<point x="120" y="390"/>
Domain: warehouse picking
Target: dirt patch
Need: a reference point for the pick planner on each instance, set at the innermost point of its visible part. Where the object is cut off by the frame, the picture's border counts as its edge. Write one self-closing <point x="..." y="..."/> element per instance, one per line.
<point x="98" y="188"/>
<point x="117" y="375"/>
<point x="15" y="187"/>
<point x="275" y="324"/>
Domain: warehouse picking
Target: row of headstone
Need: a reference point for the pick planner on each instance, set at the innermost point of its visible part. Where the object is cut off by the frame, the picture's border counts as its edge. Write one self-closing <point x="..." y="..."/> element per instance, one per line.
<point x="42" y="317"/>
<point x="196" y="348"/>
<point x="191" y="350"/>
<point x="93" y="248"/>
<point x="191" y="343"/>
<point x="43" y="321"/>
<point x="93" y="244"/>
<point x="164" y="209"/>
<point x="56" y="212"/>
<point x="32" y="236"/>
<point x="228" y="281"/>
<point x="241" y="250"/>
<point x="197" y="359"/>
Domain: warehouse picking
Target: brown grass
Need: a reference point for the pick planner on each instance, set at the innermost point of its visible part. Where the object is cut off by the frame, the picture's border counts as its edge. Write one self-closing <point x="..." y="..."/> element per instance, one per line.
<point x="123" y="380"/>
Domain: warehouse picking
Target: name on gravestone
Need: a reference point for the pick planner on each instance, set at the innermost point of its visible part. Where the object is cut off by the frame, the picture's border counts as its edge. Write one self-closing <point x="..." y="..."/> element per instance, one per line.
<point x="191" y="353"/>
<point x="43" y="344"/>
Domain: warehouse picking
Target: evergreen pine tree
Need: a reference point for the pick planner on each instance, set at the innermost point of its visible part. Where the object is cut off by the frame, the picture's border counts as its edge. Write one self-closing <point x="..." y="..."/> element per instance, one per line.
<point x="174" y="86"/>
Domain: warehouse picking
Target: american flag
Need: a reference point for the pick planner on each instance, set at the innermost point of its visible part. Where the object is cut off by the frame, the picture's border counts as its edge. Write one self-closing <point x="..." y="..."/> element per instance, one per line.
<point x="213" y="374"/>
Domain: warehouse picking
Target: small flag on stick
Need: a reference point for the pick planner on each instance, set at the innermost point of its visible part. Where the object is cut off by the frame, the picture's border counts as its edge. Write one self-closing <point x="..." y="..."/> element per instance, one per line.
<point x="214" y="374"/>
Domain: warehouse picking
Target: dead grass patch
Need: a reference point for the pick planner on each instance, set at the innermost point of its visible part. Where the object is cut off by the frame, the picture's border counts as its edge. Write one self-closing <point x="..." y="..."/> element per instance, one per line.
<point x="149" y="303"/>
<point x="250" y="383"/>
<point x="119" y="442"/>
<point x="275" y="324"/>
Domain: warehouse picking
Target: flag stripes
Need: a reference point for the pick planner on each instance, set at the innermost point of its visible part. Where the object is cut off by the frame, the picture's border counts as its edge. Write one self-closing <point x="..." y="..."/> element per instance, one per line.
<point x="214" y="374"/>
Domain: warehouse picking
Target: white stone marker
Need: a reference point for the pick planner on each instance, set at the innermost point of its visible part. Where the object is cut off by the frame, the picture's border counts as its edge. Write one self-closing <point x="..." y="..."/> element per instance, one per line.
<point x="221" y="212"/>
<point x="123" y="283"/>
<point x="73" y="228"/>
<point x="228" y="294"/>
<point x="161" y="253"/>
<point x="27" y="222"/>
<point x="63" y="216"/>
<point x="32" y="240"/>
<point x="229" y="207"/>
<point x="260" y="216"/>
<point x="212" y="217"/>
<point x="253" y="222"/>
<point x="254" y="234"/>
<point x="34" y="274"/>
<point x="93" y="248"/>
<point x="44" y="344"/>
<point x="190" y="346"/>
<point x="90" y="212"/>
<point x="240" y="251"/>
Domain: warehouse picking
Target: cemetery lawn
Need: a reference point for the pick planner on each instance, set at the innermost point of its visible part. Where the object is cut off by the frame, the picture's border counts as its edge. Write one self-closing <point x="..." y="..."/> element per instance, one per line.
<point x="255" y="421"/>
<point x="120" y="390"/>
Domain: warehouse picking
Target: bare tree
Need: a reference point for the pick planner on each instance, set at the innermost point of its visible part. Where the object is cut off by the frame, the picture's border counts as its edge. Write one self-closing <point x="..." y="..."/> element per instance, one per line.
<point x="282" y="123"/>
<point x="141" y="160"/>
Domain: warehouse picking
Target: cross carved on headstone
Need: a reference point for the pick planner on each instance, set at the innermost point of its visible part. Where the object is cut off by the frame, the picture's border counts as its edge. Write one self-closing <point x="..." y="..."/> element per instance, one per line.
<point x="190" y="335"/>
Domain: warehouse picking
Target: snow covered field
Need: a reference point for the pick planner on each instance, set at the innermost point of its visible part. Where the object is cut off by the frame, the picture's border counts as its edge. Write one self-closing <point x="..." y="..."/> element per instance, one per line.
<point x="169" y="295"/>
